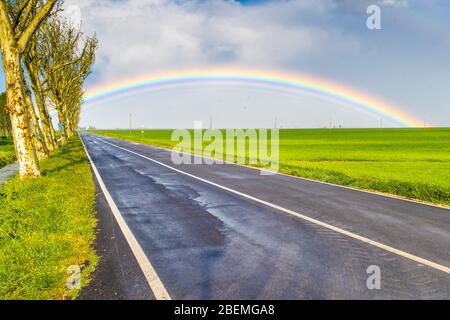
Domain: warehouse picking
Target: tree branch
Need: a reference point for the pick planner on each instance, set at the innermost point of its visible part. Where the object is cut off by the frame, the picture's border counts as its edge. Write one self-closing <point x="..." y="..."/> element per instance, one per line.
<point x="22" y="7"/>
<point x="35" y="23"/>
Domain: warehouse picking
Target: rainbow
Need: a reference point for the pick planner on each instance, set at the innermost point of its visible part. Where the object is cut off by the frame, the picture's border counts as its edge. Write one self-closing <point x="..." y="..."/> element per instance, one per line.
<point x="267" y="79"/>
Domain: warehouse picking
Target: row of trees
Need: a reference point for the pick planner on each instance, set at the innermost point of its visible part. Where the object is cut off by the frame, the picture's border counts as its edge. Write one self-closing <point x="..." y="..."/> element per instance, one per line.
<point x="46" y="61"/>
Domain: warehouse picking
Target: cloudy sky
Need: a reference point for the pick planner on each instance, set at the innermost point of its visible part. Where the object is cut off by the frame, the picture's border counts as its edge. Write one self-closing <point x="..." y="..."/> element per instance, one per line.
<point x="406" y="62"/>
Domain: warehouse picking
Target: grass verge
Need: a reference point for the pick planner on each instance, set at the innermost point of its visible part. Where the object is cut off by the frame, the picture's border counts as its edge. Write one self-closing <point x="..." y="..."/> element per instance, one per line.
<point x="46" y="225"/>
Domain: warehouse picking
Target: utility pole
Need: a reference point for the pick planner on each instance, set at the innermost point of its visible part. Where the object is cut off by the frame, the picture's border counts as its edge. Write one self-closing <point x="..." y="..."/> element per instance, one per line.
<point x="210" y="123"/>
<point x="130" y="123"/>
<point x="276" y="123"/>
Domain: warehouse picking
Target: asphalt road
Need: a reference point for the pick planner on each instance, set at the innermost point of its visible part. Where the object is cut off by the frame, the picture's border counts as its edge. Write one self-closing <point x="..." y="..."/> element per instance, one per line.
<point x="226" y="232"/>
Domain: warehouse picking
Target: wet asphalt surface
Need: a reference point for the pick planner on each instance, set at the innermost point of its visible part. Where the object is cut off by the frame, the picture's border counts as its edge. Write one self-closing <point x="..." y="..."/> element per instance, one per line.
<point x="117" y="275"/>
<point x="207" y="243"/>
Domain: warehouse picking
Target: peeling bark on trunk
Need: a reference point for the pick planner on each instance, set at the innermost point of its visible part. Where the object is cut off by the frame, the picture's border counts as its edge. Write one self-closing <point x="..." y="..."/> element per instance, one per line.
<point x="17" y="107"/>
<point x="47" y="126"/>
<point x="36" y="133"/>
<point x="46" y="121"/>
<point x="69" y="129"/>
<point x="63" y="122"/>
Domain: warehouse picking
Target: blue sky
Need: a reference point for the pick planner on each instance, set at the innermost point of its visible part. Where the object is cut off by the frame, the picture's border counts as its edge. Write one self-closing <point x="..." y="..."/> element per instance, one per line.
<point x="406" y="62"/>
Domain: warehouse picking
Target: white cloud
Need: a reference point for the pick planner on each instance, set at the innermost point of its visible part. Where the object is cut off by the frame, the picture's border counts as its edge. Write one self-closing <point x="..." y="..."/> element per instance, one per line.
<point x="327" y="38"/>
<point x="394" y="3"/>
<point x="140" y="36"/>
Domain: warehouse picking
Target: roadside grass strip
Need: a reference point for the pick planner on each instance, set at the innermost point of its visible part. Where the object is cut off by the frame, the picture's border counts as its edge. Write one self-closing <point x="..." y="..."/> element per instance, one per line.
<point x="47" y="229"/>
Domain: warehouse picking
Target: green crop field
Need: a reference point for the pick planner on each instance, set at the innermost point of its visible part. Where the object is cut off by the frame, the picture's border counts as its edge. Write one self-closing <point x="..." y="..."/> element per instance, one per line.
<point x="7" y="154"/>
<point x="413" y="163"/>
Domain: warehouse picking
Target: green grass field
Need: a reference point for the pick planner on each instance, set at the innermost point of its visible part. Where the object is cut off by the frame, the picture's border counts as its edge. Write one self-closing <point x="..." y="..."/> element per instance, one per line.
<point x="46" y="225"/>
<point x="7" y="154"/>
<point x="413" y="163"/>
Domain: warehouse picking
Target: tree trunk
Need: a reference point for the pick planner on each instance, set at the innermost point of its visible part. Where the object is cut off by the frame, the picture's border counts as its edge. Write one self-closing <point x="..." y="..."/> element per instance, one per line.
<point x="64" y="129"/>
<point x="46" y="121"/>
<point x="47" y="128"/>
<point x="69" y="128"/>
<point x="17" y="108"/>
<point x="36" y="133"/>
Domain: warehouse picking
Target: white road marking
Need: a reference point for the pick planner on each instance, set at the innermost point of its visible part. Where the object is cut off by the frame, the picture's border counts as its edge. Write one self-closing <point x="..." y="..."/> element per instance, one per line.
<point x="393" y="250"/>
<point x="150" y="274"/>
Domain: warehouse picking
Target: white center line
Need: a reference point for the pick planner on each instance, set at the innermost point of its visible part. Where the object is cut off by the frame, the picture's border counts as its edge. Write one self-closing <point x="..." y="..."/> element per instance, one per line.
<point x="377" y="244"/>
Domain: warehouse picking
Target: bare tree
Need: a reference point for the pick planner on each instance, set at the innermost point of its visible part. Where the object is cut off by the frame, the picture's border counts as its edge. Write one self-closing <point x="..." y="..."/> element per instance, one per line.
<point x="37" y="137"/>
<point x="67" y="64"/>
<point x="19" y="20"/>
<point x="33" y="58"/>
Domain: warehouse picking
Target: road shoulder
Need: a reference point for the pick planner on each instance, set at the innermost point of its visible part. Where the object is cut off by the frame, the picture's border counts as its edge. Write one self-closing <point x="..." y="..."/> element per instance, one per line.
<point x="118" y="275"/>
